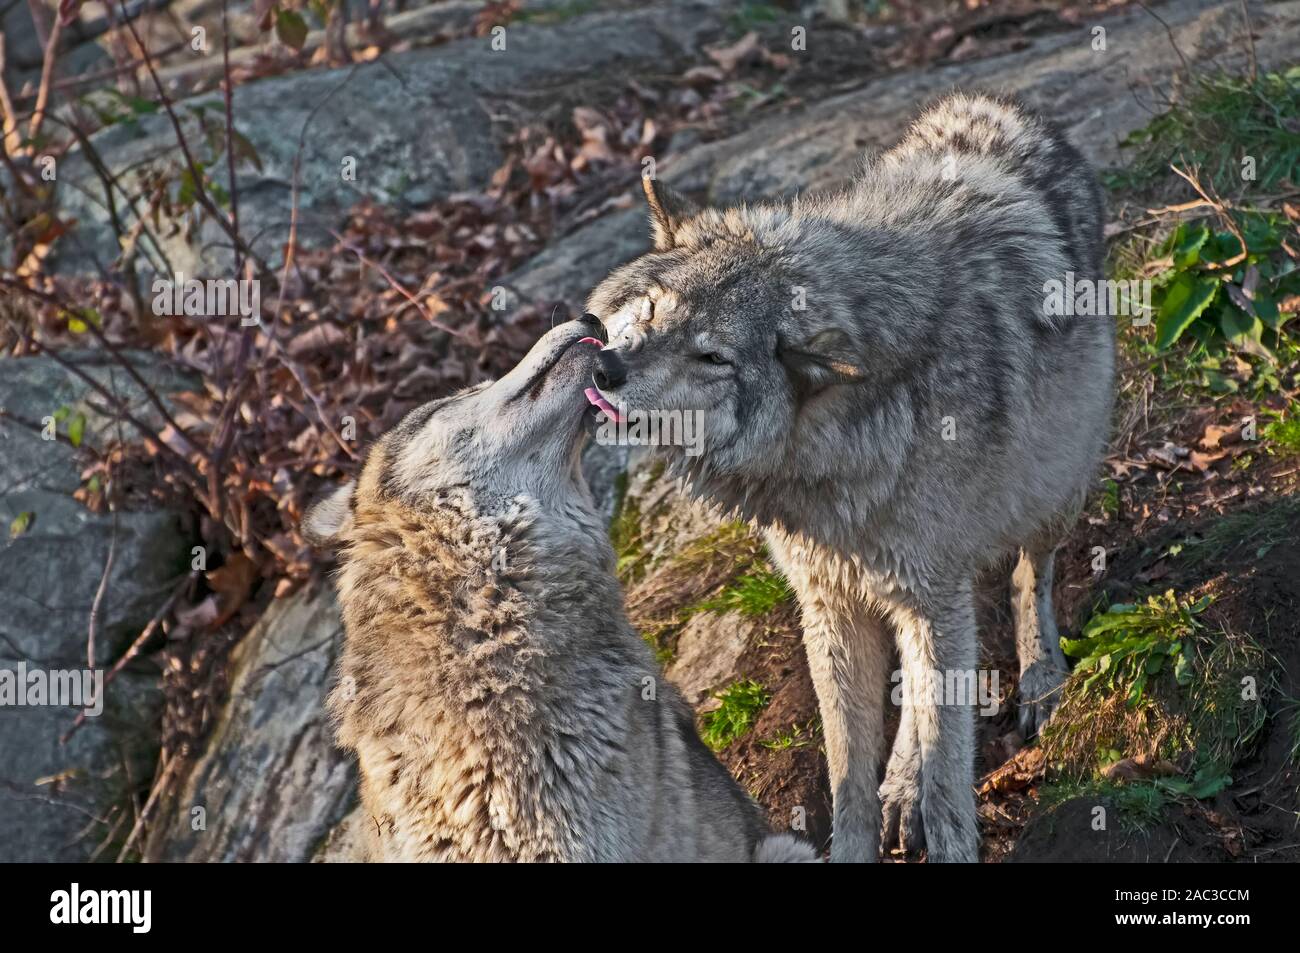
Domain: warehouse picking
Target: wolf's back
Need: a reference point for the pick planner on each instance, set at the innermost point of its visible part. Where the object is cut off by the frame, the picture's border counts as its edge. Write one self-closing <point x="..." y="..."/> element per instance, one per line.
<point x="962" y="125"/>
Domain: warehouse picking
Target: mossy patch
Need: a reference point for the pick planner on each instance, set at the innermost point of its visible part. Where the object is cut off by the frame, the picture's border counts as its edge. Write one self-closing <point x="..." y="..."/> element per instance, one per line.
<point x="740" y="704"/>
<point x="1156" y="685"/>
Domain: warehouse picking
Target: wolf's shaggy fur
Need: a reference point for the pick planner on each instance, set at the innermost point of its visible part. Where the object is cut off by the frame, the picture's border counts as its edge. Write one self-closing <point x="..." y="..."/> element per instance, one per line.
<point x="887" y="394"/>
<point x="499" y="702"/>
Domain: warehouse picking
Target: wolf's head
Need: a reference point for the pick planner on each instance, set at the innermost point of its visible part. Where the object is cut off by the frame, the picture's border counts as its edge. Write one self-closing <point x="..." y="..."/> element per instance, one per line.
<point x="497" y="441"/>
<point x="749" y="315"/>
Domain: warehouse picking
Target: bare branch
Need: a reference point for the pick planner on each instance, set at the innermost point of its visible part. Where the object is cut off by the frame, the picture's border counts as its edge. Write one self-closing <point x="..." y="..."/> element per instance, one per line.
<point x="138" y="644"/>
<point x="200" y="190"/>
<point x="47" y="77"/>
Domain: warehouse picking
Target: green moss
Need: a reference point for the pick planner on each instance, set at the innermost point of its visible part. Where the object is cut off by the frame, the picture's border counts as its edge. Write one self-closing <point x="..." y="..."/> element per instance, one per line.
<point x="741" y="704"/>
<point x="1220" y="120"/>
<point x="796" y="736"/>
<point x="1139" y="805"/>
<point x="755" y="593"/>
<point x="1154" y="681"/>
<point x="1282" y="434"/>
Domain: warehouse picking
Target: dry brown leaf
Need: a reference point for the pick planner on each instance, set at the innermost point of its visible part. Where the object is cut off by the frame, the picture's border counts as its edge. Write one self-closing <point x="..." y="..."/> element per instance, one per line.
<point x="1217" y="435"/>
<point x="232" y="583"/>
<point x="1022" y="771"/>
<point x="1139" y="768"/>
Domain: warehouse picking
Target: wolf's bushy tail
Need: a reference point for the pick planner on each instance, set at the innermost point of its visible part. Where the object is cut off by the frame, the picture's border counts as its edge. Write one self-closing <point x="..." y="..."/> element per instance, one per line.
<point x="784" y="849"/>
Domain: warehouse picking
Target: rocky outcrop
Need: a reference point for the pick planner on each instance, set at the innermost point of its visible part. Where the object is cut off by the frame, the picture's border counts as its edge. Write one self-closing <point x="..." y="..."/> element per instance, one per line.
<point x="60" y="801"/>
<point x="407" y="130"/>
<point x="270" y="784"/>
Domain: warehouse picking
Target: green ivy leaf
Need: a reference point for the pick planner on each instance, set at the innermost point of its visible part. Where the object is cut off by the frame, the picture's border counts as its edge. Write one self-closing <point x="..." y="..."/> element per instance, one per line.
<point x="1186" y="245"/>
<point x="291" y="28"/>
<point x="244" y="149"/>
<point x="1186" y="301"/>
<point x="1243" y="331"/>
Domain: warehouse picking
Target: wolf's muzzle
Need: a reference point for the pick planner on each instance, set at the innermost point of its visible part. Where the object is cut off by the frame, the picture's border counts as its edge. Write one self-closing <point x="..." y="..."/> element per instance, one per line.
<point x="597" y="328"/>
<point x="612" y="372"/>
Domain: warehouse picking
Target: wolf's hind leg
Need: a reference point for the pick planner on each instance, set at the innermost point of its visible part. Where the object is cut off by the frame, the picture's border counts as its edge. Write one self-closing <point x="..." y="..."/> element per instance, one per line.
<point x="1038" y="644"/>
<point x="936" y="640"/>
<point x="848" y="656"/>
<point x="900" y="795"/>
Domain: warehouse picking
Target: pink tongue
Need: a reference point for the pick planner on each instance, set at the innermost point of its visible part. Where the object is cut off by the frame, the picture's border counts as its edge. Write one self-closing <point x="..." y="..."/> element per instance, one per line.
<point x="605" y="406"/>
<point x="596" y="341"/>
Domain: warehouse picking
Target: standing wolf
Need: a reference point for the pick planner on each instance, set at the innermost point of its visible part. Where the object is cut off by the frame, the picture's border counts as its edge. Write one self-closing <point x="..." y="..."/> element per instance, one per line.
<point x="889" y="394"/>
<point x="499" y="702"/>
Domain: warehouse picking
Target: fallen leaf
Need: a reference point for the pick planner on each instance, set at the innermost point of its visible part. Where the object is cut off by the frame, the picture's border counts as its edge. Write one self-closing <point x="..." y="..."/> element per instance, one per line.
<point x="21" y="524"/>
<point x="318" y="337"/>
<point x="1217" y="435"/>
<point x="1026" y="768"/>
<point x="1139" y="768"/>
<point x="232" y="583"/>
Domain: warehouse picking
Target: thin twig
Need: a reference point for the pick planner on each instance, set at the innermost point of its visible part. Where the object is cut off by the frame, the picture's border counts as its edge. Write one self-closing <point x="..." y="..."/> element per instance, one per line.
<point x="190" y="473"/>
<point x="47" y="77"/>
<point x="1187" y="69"/>
<point x="200" y="190"/>
<point x="98" y="76"/>
<point x="227" y="94"/>
<point x="8" y="118"/>
<point x="115" y="352"/>
<point x="1250" y="44"/>
<point x="160" y="785"/>
<point x="1221" y="209"/>
<point x="93" y="626"/>
<point x="138" y="645"/>
<point x="396" y="285"/>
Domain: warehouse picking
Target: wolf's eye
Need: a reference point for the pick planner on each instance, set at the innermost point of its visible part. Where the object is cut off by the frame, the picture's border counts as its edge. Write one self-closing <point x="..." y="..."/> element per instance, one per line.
<point x="713" y="357"/>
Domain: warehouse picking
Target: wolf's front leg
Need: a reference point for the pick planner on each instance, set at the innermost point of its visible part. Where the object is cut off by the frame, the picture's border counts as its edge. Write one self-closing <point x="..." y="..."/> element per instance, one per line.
<point x="937" y="644"/>
<point x="848" y="655"/>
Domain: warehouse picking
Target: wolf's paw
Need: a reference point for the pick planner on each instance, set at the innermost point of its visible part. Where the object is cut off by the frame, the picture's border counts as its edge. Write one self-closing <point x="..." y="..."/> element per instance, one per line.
<point x="958" y="844"/>
<point x="1040" y="692"/>
<point x="900" y="806"/>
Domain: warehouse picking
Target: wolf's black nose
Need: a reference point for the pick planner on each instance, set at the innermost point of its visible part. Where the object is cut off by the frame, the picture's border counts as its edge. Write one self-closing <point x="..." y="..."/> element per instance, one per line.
<point x="595" y="324"/>
<point x="612" y="371"/>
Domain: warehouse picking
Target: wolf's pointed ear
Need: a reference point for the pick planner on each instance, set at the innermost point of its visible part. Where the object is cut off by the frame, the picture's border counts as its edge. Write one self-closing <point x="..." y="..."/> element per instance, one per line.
<point x="668" y="210"/>
<point x="823" y="360"/>
<point x="329" y="517"/>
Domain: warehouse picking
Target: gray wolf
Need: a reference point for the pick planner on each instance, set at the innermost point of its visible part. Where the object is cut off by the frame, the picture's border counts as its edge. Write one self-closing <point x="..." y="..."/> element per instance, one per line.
<point x="499" y="702"/>
<point x="890" y="398"/>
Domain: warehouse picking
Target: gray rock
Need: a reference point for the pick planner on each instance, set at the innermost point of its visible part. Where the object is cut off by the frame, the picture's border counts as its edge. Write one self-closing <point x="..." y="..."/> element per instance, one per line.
<point x="48" y="579"/>
<point x="345" y="844"/>
<point x="419" y="125"/>
<point x="270" y="785"/>
<point x="1098" y="97"/>
<point x="708" y="653"/>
